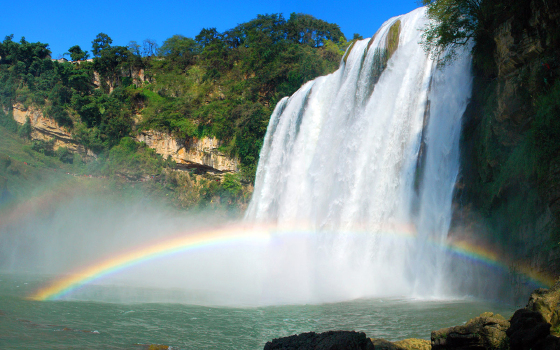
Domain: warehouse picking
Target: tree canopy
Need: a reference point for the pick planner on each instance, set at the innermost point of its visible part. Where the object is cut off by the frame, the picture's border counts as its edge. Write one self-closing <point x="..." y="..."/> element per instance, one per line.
<point x="454" y="23"/>
<point x="77" y="54"/>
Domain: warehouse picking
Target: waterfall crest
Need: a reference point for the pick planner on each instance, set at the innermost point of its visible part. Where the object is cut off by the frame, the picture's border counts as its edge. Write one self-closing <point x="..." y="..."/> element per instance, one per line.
<point x="372" y="147"/>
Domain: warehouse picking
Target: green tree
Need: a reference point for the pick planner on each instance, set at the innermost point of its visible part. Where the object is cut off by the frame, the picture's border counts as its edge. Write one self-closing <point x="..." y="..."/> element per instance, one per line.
<point x="77" y="54"/>
<point x="134" y="47"/>
<point x="180" y="49"/>
<point x="102" y="41"/>
<point x="453" y="24"/>
<point x="110" y="62"/>
<point x="25" y="130"/>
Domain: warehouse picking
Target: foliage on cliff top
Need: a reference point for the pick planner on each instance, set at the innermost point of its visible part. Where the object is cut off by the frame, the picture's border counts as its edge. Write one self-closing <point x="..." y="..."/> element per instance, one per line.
<point x="456" y="23"/>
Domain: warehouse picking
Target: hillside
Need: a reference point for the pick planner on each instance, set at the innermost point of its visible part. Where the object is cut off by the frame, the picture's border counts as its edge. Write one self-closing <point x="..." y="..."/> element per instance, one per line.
<point x="189" y="115"/>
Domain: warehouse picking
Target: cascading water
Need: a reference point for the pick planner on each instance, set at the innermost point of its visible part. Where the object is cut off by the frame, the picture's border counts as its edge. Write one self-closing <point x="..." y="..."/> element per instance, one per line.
<point x="373" y="147"/>
<point x="354" y="188"/>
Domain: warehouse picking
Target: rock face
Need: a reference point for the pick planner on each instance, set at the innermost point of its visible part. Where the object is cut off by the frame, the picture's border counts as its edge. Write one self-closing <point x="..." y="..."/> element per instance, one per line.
<point x="44" y="128"/>
<point x="191" y="153"/>
<point x="332" y="340"/>
<point x="201" y="154"/>
<point x="488" y="331"/>
<point x="499" y="190"/>
<point x="546" y="303"/>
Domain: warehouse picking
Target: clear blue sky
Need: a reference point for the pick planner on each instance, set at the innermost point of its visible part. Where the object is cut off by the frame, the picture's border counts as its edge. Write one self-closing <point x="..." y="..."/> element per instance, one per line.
<point x="63" y="23"/>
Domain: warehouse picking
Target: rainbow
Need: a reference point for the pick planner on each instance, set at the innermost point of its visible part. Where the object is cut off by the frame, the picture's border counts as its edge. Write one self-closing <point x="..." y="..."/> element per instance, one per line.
<point x="154" y="250"/>
<point x="254" y="233"/>
<point x="479" y="254"/>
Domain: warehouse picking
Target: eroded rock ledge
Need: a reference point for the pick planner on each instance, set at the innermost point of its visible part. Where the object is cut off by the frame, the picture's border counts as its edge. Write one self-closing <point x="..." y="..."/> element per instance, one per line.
<point x="192" y="153"/>
<point x="199" y="154"/>
<point x="44" y="128"/>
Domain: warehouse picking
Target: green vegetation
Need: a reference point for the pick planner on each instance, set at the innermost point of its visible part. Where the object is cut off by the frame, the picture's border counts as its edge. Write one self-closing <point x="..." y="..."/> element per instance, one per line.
<point x="546" y="133"/>
<point x="222" y="85"/>
<point x="456" y="23"/>
<point x="393" y="38"/>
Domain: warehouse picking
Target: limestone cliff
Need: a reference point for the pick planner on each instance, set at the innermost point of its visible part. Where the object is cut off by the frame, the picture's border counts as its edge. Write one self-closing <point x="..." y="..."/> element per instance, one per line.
<point x="501" y="198"/>
<point x="44" y="128"/>
<point x="191" y="153"/>
<point x="200" y="154"/>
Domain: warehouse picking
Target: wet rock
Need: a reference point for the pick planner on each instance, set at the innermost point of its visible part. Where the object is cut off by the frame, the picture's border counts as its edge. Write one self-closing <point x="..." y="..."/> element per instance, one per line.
<point x="332" y="340"/>
<point x="413" y="344"/>
<point x="532" y="326"/>
<point x="488" y="331"/>
<point x="407" y="344"/>
<point x="529" y="330"/>
<point x="545" y="302"/>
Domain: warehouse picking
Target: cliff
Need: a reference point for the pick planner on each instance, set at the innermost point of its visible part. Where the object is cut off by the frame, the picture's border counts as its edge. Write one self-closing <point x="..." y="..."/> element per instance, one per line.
<point x="509" y="192"/>
<point x="200" y="154"/>
<point x="44" y="128"/>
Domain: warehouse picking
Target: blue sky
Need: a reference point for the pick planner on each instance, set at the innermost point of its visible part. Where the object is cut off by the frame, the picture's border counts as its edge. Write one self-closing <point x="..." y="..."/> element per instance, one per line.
<point x="63" y="24"/>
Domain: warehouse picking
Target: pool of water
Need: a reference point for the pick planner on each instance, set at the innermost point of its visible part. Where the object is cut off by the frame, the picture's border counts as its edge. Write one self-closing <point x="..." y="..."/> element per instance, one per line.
<point x="79" y="324"/>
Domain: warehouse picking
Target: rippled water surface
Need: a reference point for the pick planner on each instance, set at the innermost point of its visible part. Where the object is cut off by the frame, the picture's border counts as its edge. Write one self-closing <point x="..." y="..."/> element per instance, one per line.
<point x="27" y="324"/>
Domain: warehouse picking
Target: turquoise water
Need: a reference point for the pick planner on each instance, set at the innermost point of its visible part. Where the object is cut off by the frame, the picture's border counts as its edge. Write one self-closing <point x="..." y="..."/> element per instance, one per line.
<point x="27" y="324"/>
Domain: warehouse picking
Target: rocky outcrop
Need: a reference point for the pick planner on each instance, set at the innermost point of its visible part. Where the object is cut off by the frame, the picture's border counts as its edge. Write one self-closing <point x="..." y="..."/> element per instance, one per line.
<point x="535" y="327"/>
<point x="407" y="344"/>
<point x="488" y="331"/>
<point x="547" y="303"/>
<point x="46" y="129"/>
<point x="530" y="331"/>
<point x="200" y="154"/>
<point x="511" y="53"/>
<point x="191" y="153"/>
<point x="332" y="340"/>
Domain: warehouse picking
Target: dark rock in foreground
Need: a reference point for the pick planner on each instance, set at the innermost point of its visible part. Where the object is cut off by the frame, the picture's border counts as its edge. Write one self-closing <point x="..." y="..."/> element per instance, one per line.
<point x="332" y="340"/>
<point x="488" y="331"/>
<point x="530" y="331"/>
<point x="531" y="327"/>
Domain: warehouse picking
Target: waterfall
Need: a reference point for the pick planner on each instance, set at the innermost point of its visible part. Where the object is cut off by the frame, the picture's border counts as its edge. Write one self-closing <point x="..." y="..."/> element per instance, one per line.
<point x="371" y="148"/>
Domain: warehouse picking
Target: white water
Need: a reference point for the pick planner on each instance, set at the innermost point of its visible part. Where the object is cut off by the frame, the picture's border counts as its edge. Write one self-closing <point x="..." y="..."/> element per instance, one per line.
<point x="339" y="163"/>
<point x="338" y="157"/>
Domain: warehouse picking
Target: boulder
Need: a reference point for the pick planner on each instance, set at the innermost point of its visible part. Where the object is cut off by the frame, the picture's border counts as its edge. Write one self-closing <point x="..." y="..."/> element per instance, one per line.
<point x="332" y="340"/>
<point x="488" y="331"/>
<point x="530" y="331"/>
<point x="532" y="326"/>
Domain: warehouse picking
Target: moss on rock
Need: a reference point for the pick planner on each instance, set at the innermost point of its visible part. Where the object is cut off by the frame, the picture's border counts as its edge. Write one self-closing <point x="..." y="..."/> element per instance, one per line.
<point x="393" y="38"/>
